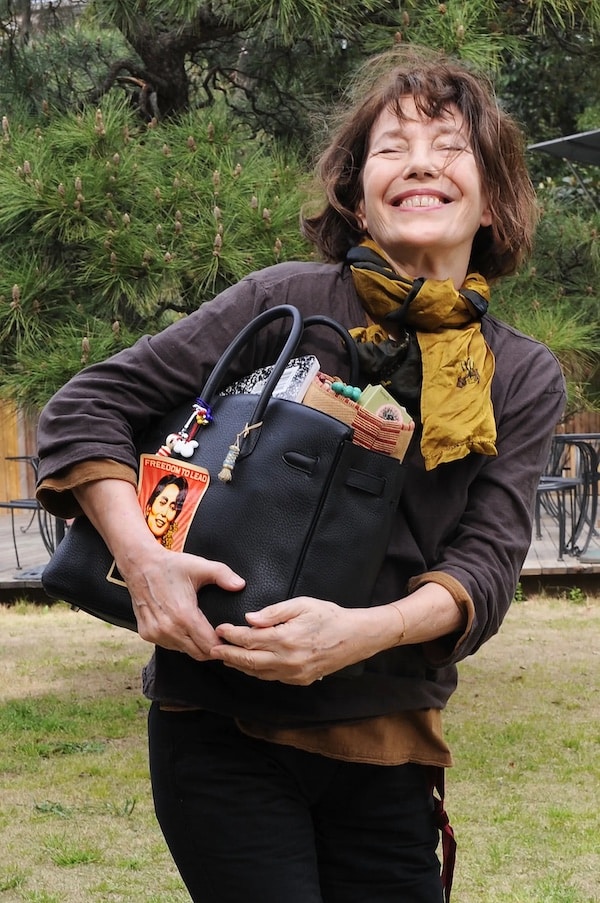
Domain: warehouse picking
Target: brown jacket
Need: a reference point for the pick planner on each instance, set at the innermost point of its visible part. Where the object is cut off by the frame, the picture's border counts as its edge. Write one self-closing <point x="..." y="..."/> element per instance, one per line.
<point x="466" y="524"/>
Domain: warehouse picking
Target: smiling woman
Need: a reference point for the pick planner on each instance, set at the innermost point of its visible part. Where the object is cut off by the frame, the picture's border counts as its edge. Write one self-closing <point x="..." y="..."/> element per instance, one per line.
<point x="461" y="114"/>
<point x="258" y="732"/>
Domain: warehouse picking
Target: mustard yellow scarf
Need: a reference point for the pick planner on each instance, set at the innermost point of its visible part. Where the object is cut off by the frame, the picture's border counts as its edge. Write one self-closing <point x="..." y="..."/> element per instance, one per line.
<point x="457" y="364"/>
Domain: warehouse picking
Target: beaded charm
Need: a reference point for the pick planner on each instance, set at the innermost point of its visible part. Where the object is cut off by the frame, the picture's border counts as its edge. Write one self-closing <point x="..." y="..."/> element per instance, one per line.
<point x="351" y="392"/>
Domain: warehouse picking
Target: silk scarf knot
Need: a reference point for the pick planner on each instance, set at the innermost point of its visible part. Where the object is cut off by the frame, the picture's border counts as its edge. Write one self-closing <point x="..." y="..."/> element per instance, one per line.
<point x="426" y="347"/>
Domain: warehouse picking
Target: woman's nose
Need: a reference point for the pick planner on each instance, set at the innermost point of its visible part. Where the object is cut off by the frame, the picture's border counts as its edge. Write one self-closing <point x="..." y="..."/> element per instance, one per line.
<point x="420" y="161"/>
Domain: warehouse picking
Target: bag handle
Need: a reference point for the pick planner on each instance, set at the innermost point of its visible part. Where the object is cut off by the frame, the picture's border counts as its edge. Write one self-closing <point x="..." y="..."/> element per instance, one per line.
<point x="219" y="372"/>
<point x="322" y="320"/>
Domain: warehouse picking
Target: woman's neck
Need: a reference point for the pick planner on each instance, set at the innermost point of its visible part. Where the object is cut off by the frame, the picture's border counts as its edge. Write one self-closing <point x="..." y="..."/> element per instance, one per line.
<point x="426" y="267"/>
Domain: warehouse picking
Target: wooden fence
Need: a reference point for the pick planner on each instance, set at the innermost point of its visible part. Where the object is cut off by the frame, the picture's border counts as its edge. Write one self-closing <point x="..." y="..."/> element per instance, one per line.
<point x="584" y="422"/>
<point x="17" y="437"/>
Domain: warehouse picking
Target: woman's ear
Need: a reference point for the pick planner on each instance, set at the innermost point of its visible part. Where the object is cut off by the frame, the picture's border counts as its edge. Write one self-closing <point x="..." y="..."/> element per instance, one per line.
<point x="486" y="214"/>
<point x="360" y="215"/>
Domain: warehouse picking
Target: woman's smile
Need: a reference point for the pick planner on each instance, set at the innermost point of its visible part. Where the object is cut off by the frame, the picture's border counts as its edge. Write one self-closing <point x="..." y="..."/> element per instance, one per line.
<point x="418" y="199"/>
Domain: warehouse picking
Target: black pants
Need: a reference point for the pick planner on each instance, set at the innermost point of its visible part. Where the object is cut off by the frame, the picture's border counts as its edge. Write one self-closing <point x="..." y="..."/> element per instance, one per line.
<point x="253" y="822"/>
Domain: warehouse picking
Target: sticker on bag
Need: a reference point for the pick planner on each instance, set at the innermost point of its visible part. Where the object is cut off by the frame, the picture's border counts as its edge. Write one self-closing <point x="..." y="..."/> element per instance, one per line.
<point x="169" y="493"/>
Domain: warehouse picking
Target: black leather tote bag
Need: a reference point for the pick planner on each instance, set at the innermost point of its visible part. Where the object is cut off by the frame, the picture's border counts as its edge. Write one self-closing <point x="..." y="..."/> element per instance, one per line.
<point x="305" y="512"/>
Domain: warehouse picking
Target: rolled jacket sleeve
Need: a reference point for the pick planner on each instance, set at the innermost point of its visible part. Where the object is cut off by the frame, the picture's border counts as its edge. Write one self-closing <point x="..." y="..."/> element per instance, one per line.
<point x="56" y="493"/>
<point x="439" y="652"/>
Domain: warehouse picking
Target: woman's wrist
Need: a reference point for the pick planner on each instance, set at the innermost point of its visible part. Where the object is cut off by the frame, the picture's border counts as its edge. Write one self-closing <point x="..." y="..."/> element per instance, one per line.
<point x="428" y="613"/>
<point x="401" y="637"/>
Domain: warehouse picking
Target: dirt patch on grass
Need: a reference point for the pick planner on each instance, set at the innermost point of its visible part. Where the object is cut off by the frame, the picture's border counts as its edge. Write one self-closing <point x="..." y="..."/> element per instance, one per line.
<point x="523" y="729"/>
<point x="54" y="649"/>
<point x="547" y="633"/>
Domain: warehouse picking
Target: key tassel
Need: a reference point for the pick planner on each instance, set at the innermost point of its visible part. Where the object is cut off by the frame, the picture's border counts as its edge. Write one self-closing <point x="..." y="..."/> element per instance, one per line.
<point x="226" y="473"/>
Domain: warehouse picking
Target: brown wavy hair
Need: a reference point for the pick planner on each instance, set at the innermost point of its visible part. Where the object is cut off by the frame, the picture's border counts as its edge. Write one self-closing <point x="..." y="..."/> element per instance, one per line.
<point x="435" y="82"/>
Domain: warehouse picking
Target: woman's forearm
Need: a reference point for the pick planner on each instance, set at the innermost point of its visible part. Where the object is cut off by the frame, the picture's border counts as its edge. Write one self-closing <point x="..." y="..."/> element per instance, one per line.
<point x="113" y="508"/>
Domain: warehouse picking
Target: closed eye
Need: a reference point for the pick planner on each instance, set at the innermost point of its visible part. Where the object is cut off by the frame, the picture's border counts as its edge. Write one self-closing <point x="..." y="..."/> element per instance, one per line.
<point x="450" y="148"/>
<point x="390" y="150"/>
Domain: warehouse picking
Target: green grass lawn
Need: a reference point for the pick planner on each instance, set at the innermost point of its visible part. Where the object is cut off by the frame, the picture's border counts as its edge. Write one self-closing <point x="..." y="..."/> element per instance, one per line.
<point x="76" y="817"/>
<point x="524" y="727"/>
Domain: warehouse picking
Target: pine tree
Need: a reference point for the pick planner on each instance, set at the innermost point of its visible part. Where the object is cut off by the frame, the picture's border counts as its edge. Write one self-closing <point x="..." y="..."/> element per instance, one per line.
<point x="111" y="229"/>
<point x="155" y="152"/>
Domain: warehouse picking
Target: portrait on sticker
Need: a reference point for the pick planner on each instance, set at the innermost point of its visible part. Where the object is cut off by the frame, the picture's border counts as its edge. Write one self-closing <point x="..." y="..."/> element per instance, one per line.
<point x="169" y="493"/>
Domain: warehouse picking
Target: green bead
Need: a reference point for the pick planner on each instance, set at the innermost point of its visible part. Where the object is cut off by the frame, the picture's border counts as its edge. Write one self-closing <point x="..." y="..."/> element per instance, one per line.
<point x="337" y="386"/>
<point x="347" y="391"/>
<point x="356" y="393"/>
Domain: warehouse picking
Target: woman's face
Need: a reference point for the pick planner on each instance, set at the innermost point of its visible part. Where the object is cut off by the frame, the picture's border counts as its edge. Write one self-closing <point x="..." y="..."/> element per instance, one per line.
<point x="423" y="200"/>
<point x="163" y="510"/>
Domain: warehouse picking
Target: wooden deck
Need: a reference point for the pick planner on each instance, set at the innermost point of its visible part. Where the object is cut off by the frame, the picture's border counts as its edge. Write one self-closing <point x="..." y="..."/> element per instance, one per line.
<point x="542" y="569"/>
<point x="24" y="581"/>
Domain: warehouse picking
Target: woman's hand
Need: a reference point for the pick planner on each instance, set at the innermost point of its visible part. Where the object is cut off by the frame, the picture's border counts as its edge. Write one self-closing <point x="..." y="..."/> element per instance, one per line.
<point x="163" y="584"/>
<point x="302" y="640"/>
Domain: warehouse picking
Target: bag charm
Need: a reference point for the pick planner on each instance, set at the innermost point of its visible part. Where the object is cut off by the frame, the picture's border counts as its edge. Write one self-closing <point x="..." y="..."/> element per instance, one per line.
<point x="183" y="442"/>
